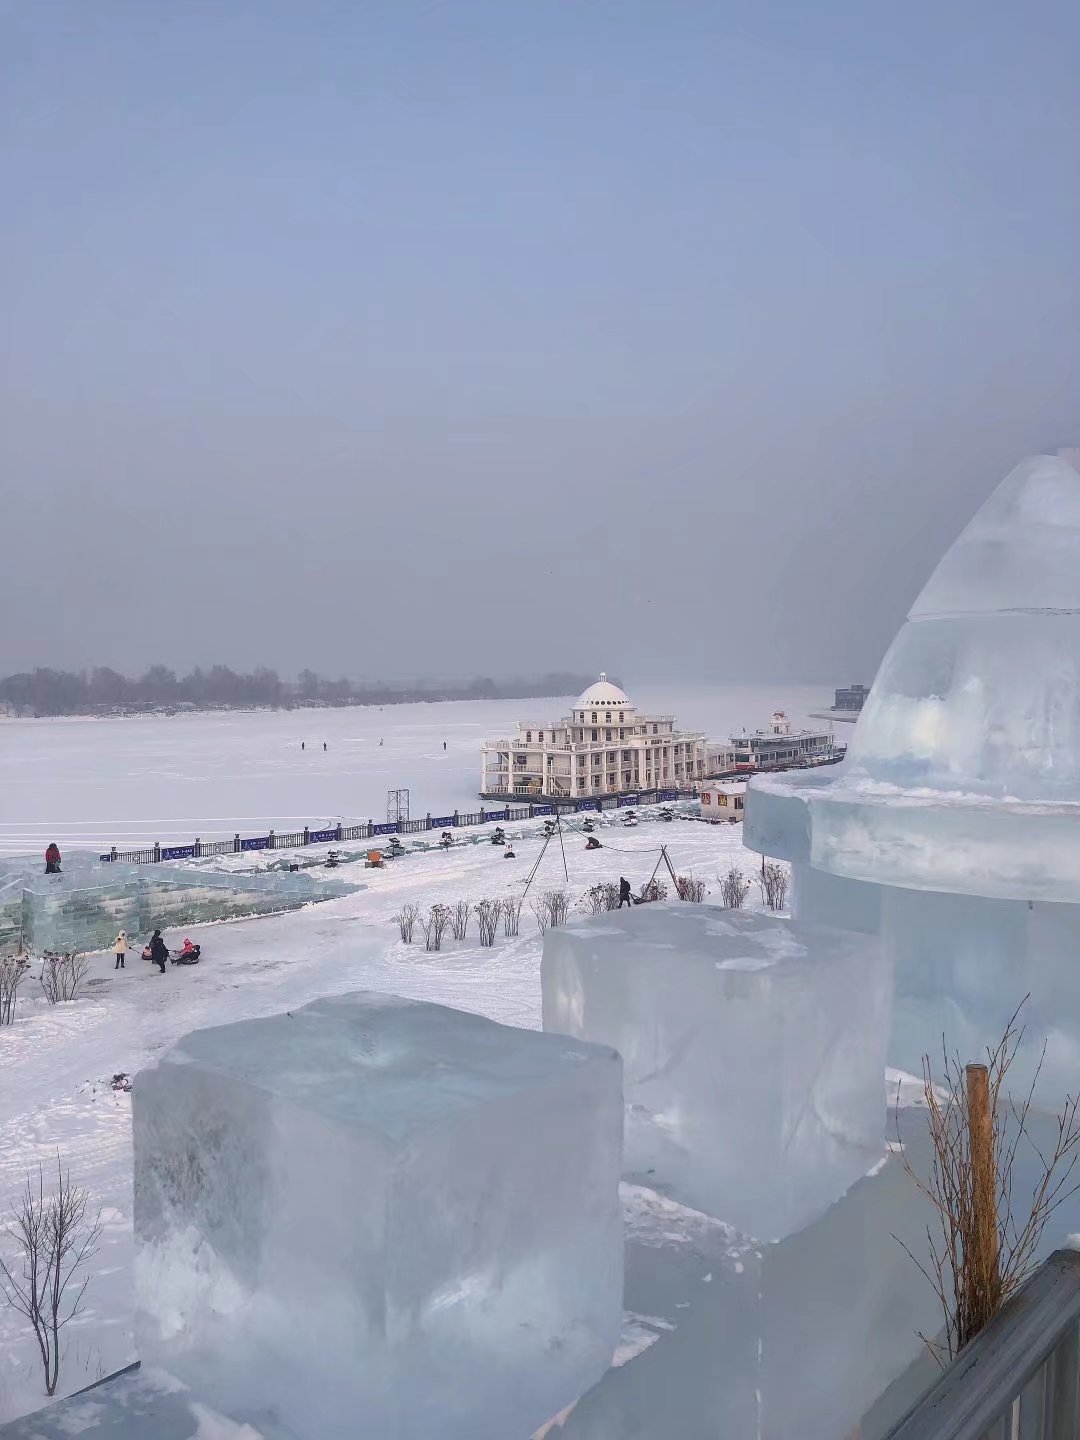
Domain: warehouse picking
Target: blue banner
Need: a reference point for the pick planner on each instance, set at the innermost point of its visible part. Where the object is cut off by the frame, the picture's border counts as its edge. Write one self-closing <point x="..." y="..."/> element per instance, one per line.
<point x="628" y="800"/>
<point x="668" y="795"/>
<point x="443" y="822"/>
<point x="104" y="857"/>
<point x="257" y="842"/>
<point x="389" y="827"/>
<point x="498" y="815"/>
<point x="543" y="809"/>
<point x="318" y="837"/>
<point x="588" y="804"/>
<point x="178" y="852"/>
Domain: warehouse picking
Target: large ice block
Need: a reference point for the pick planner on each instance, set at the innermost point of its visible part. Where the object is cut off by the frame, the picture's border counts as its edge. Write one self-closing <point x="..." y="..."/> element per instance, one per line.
<point x="754" y="1052"/>
<point x="792" y="1341"/>
<point x="375" y="1216"/>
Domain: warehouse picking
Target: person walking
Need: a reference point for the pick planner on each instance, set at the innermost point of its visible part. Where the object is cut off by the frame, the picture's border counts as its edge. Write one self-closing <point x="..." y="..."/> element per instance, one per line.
<point x="303" y="744"/>
<point x="121" y="950"/>
<point x="624" y="892"/>
<point x="324" y="747"/>
<point x="159" y="951"/>
<point x="52" y="859"/>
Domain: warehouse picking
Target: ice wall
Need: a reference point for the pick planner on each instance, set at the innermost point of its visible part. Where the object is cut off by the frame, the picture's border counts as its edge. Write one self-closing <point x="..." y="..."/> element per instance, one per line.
<point x="382" y="1217"/>
<point x="754" y="1052"/>
<point x="83" y="907"/>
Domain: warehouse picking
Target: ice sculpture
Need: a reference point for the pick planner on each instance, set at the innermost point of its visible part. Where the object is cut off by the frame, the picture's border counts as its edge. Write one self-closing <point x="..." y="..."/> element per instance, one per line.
<point x="753" y="1049"/>
<point x="377" y="1216"/>
<point x="952" y="828"/>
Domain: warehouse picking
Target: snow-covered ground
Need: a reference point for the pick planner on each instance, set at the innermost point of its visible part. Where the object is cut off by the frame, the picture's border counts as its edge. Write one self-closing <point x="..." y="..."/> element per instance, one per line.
<point x="170" y="778"/>
<point x="57" y="1064"/>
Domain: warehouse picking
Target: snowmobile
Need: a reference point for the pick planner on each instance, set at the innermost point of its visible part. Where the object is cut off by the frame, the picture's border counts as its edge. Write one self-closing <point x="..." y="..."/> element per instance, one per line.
<point x="333" y="859"/>
<point x="498" y="837"/>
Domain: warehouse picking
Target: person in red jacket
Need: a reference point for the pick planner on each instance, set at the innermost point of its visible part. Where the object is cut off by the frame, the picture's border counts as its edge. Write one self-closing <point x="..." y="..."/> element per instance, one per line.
<point x="52" y="859"/>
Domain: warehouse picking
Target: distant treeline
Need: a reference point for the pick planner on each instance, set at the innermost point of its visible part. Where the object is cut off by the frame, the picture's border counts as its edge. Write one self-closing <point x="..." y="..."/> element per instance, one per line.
<point x="85" y="692"/>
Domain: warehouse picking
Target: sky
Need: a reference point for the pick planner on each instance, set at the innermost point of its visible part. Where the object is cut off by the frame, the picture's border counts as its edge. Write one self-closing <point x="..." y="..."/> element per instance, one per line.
<point x="497" y="336"/>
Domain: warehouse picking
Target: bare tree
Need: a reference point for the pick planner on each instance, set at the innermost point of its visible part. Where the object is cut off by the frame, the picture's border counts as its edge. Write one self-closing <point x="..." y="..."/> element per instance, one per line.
<point x="689" y="889"/>
<point x="733" y="888"/>
<point x="435" y="926"/>
<point x="511" y="914"/>
<point x="62" y="974"/>
<point x="487" y="919"/>
<point x="459" y="919"/>
<point x="13" y="971"/>
<point x="406" y="919"/>
<point x="970" y="1291"/>
<point x="773" y="884"/>
<point x="538" y="905"/>
<point x="651" y="891"/>
<point x="54" y="1240"/>
<point x="558" y="906"/>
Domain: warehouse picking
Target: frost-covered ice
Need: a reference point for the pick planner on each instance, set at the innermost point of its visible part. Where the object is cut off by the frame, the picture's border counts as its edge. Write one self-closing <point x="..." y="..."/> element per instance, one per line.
<point x="753" y="1048"/>
<point x="376" y="1212"/>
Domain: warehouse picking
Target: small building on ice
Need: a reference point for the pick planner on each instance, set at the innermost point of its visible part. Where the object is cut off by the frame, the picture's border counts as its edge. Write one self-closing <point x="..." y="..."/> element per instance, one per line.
<point x="723" y="800"/>
<point x="605" y="746"/>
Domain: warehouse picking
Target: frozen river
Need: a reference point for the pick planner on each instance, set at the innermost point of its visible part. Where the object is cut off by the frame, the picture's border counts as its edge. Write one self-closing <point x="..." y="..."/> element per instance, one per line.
<point x="171" y="778"/>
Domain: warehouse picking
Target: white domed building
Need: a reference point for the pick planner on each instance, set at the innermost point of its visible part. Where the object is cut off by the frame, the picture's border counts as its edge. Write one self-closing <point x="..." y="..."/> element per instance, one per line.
<point x="605" y="746"/>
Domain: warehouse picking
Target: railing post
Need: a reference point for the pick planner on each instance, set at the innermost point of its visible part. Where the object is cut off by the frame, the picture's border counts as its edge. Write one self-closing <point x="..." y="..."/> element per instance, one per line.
<point x="198" y="847"/>
<point x="114" y="852"/>
<point x="157" y="852"/>
<point x="236" y="843"/>
<point x="983" y="1189"/>
<point x="306" y="840"/>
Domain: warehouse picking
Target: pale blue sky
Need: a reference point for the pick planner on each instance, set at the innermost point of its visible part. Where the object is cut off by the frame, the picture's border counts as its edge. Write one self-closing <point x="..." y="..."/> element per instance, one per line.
<point x="504" y="311"/>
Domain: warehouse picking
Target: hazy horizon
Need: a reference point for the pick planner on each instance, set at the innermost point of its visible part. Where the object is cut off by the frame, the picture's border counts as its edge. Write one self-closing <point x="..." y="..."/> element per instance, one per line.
<point x="401" y="339"/>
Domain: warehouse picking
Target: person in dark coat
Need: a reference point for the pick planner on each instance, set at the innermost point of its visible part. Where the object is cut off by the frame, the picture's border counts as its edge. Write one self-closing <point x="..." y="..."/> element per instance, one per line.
<point x="159" y="951"/>
<point x="624" y="891"/>
<point x="52" y="859"/>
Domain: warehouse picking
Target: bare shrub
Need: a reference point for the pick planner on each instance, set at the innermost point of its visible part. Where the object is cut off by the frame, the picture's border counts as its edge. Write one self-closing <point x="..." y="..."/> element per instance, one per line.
<point x="511" y="914"/>
<point x="773" y="883"/>
<point x="733" y="888"/>
<point x="539" y="908"/>
<point x="459" y="919"/>
<point x="487" y="920"/>
<point x="406" y="919"/>
<point x="690" y="890"/>
<point x="13" y="971"/>
<point x="62" y="974"/>
<point x="599" y="898"/>
<point x="970" y="1290"/>
<point x="651" y="891"/>
<point x="53" y="1240"/>
<point x="558" y="906"/>
<point x="434" y="926"/>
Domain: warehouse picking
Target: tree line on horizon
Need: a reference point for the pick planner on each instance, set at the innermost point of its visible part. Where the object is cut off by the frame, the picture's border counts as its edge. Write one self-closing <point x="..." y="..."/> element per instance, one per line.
<point x="43" y="691"/>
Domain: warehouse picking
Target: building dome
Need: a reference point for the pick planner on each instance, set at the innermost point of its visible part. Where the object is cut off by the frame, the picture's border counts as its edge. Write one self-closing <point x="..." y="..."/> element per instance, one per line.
<point x="602" y="695"/>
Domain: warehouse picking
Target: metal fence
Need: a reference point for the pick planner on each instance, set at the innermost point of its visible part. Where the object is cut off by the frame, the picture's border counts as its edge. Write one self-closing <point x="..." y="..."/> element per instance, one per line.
<point x="1019" y="1379"/>
<point x="295" y="839"/>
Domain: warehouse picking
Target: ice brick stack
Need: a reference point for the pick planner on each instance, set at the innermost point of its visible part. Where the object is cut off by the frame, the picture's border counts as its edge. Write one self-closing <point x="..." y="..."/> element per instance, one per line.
<point x="374" y="1216"/>
<point x="754" y="1052"/>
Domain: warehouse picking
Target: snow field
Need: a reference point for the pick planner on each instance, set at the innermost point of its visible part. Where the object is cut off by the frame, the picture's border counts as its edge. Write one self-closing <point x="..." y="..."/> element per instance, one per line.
<point x="56" y="1064"/>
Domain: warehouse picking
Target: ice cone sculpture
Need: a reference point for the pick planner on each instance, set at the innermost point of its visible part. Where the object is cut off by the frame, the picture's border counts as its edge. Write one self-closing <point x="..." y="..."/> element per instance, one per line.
<point x="953" y="826"/>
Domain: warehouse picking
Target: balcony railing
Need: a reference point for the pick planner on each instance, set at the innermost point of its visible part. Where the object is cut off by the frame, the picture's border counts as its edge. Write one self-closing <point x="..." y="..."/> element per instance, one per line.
<point x="1019" y="1379"/>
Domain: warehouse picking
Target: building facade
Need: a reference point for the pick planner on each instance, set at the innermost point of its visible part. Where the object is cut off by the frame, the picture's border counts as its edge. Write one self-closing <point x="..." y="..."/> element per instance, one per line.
<point x="605" y="746"/>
